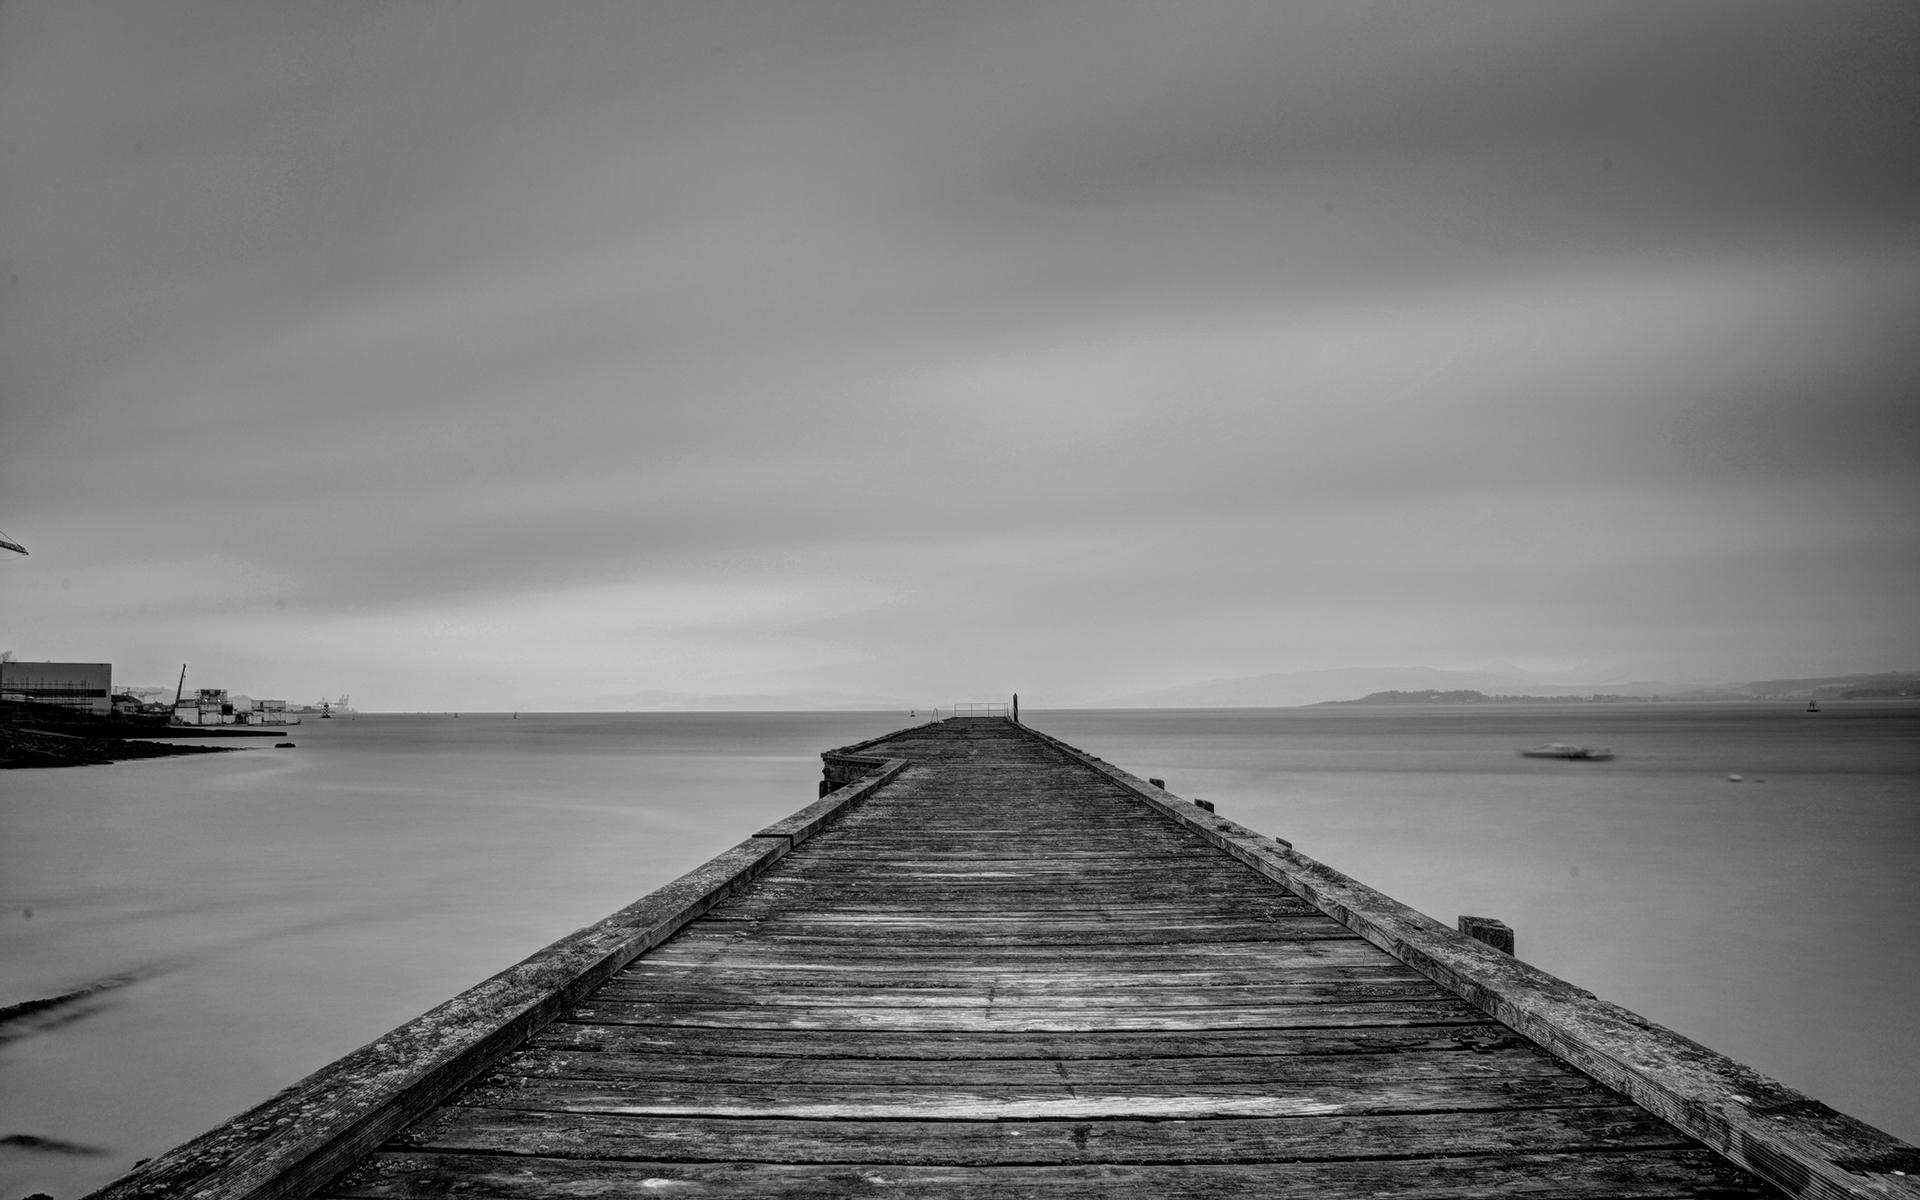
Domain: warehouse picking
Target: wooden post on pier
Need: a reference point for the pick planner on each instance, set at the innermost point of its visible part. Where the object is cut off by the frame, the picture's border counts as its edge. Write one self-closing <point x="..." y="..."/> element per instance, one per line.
<point x="1497" y="934"/>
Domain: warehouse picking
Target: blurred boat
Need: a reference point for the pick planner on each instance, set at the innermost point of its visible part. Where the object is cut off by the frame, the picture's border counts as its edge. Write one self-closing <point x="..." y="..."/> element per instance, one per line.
<point x="1564" y="750"/>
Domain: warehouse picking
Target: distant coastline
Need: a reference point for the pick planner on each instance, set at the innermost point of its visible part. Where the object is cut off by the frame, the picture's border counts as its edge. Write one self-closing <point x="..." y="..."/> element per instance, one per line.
<point x="35" y="735"/>
<point x="1423" y="685"/>
<point x="1468" y="696"/>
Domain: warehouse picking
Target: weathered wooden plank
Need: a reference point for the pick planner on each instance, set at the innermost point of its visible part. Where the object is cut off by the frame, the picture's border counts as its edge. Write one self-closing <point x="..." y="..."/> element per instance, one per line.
<point x="1020" y="893"/>
<point x="974" y="903"/>
<point x="1115" y="858"/>
<point x="1387" y="1089"/>
<point x="1019" y="1018"/>
<point x="1653" y="1174"/>
<point x="972" y="926"/>
<point x="1092" y="868"/>
<point x="739" y="946"/>
<point x="866" y="892"/>
<point x="1090" y="909"/>
<point x="1009" y="1143"/>
<point x="928" y="837"/>
<point x="693" y="948"/>
<point x="545" y="1062"/>
<point x="1427" y="1031"/>
<point x="1023" y="890"/>
<point x="702" y="992"/>
<point x="866" y="889"/>
<point x="854" y="922"/>
<point x="1292" y="929"/>
<point x="1002" y="982"/>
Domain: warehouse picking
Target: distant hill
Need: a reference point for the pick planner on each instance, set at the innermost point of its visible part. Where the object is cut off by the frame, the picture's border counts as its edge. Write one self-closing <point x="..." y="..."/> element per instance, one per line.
<point x="1838" y="687"/>
<point x="1295" y="688"/>
<point x="1472" y="697"/>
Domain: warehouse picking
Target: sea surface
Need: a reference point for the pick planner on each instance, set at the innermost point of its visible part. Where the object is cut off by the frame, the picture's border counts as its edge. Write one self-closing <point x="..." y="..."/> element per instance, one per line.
<point x="255" y="915"/>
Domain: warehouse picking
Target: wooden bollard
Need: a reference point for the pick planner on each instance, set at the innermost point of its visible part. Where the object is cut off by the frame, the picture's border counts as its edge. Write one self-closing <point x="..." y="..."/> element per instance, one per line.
<point x="1159" y="783"/>
<point x="1206" y="804"/>
<point x="1485" y="929"/>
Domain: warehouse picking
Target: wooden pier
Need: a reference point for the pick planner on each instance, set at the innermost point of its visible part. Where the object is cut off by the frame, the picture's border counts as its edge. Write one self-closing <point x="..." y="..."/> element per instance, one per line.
<point x="987" y="964"/>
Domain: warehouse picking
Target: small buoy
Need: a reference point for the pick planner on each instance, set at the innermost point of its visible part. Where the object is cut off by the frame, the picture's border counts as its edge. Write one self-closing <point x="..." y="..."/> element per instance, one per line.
<point x="283" y="745"/>
<point x="1733" y="779"/>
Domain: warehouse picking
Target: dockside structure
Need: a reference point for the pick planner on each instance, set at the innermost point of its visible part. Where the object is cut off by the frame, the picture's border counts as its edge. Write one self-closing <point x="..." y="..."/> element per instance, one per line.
<point x="987" y="963"/>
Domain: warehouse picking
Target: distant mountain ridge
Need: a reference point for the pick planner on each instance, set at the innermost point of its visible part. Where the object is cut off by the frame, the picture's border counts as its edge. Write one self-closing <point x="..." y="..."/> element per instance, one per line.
<point x="1472" y="697"/>
<point x="1291" y="689"/>
<point x="1840" y="687"/>
<point x="1288" y="689"/>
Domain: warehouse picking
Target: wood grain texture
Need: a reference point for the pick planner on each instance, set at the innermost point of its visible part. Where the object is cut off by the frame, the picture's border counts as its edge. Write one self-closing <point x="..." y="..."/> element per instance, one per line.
<point x="1649" y="1174"/>
<point x="1057" y="1051"/>
<point x="1013" y="1143"/>
<point x="1029" y="1020"/>
<point x="1408" y="1059"/>
<point x="1381" y="1090"/>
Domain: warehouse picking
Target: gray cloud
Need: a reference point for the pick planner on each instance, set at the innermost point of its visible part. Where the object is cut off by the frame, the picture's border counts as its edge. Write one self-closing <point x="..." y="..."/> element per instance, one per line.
<point x="1103" y="346"/>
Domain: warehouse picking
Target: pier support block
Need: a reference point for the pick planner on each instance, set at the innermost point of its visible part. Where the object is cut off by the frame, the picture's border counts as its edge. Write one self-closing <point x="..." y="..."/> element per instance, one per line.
<point x="838" y="769"/>
<point x="1485" y="929"/>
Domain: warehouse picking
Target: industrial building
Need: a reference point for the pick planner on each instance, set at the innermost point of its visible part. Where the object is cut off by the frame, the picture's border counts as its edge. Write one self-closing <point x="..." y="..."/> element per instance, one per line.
<point x="213" y="706"/>
<point x="209" y="706"/>
<point x="86" y="687"/>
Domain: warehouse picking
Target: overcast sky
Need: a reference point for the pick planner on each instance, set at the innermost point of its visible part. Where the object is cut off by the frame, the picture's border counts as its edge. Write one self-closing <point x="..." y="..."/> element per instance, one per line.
<point x="543" y="356"/>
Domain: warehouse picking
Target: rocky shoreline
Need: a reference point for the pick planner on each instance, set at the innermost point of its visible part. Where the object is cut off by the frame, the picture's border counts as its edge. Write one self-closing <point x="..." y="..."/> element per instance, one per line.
<point x="22" y="746"/>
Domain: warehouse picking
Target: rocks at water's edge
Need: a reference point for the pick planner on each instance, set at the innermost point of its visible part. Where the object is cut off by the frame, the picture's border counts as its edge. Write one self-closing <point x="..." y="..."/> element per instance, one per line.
<point x="23" y="746"/>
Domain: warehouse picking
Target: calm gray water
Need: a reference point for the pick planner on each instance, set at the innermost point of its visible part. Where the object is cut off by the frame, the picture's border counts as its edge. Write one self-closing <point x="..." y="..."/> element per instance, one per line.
<point x="272" y="909"/>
